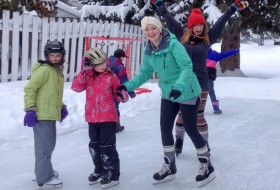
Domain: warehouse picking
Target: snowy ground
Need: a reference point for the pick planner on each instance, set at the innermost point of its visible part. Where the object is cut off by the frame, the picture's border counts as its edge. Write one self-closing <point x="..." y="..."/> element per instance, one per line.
<point x="244" y="140"/>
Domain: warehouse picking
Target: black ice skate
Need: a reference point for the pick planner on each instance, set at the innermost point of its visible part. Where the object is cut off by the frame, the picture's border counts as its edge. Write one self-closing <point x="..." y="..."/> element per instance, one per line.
<point x="178" y="146"/>
<point x="167" y="172"/>
<point x="206" y="173"/>
<point x="94" y="178"/>
<point x="109" y="180"/>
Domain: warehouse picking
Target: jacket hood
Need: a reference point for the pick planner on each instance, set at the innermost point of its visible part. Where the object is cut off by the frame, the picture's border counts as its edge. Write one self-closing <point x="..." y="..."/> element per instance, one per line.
<point x="37" y="65"/>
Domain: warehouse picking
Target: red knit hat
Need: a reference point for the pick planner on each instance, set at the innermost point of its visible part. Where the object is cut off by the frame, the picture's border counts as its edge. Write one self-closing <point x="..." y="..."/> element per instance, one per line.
<point x="195" y="18"/>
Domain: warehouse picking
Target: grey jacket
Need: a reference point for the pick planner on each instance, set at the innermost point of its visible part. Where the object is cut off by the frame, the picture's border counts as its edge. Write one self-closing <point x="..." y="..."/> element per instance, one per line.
<point x="198" y="52"/>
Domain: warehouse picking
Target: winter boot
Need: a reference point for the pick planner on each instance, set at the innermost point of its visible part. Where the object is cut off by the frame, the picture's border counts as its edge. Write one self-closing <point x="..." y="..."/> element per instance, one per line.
<point x="178" y="146"/>
<point x="167" y="172"/>
<point x="216" y="108"/>
<point x="206" y="172"/>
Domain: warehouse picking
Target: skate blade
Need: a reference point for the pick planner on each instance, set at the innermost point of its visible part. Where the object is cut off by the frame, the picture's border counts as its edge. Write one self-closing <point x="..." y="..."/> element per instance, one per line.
<point x="94" y="182"/>
<point x="204" y="182"/>
<point x="168" y="178"/>
<point x="48" y="187"/>
<point x="113" y="183"/>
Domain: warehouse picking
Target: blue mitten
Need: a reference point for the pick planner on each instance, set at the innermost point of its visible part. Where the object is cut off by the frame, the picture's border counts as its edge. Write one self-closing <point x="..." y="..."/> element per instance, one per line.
<point x="64" y="113"/>
<point x="30" y="118"/>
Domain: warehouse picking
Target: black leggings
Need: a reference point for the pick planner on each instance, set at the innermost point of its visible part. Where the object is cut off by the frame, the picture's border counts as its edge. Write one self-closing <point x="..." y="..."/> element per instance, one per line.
<point x="168" y="113"/>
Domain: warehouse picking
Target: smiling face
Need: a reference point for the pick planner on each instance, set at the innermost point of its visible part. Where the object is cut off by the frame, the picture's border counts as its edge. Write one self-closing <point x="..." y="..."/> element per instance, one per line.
<point x="55" y="58"/>
<point x="198" y="29"/>
<point x="152" y="33"/>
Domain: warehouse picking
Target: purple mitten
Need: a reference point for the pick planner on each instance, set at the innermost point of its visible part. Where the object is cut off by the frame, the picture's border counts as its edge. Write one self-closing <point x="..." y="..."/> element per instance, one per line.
<point x="64" y="113"/>
<point x="30" y="118"/>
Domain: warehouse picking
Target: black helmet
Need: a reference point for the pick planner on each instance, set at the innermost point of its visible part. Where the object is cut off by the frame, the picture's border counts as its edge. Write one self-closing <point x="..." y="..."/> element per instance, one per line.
<point x="54" y="47"/>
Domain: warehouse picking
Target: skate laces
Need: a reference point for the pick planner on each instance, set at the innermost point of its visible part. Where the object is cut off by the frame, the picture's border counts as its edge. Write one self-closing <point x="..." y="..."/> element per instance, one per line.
<point x="203" y="168"/>
<point x="165" y="168"/>
<point x="94" y="174"/>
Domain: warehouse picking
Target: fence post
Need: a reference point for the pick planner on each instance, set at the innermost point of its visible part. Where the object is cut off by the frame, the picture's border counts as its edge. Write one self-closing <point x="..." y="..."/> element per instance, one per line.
<point x="5" y="47"/>
<point x="15" y="47"/>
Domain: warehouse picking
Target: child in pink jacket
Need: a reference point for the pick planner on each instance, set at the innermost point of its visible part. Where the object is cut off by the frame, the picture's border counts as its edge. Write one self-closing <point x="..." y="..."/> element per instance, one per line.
<point x="101" y="114"/>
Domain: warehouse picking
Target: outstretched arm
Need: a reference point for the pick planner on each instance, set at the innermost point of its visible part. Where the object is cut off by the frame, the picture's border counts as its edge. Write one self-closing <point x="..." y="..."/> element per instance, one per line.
<point x="216" y="30"/>
<point x="216" y="56"/>
<point x="173" y="25"/>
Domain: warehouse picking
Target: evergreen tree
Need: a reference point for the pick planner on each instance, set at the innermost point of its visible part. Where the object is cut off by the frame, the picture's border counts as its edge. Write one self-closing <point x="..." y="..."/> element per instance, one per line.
<point x="262" y="17"/>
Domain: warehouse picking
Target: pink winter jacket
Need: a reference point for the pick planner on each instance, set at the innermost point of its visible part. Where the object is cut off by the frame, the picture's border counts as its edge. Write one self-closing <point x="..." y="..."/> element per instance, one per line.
<point x="100" y="89"/>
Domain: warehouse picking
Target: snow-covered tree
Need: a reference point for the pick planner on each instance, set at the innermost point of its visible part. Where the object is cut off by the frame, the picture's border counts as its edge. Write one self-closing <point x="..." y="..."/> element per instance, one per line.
<point x="44" y="8"/>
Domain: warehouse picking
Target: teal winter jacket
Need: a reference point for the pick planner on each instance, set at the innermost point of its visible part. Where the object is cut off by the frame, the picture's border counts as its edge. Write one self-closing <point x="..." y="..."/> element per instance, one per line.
<point x="44" y="91"/>
<point x="173" y="66"/>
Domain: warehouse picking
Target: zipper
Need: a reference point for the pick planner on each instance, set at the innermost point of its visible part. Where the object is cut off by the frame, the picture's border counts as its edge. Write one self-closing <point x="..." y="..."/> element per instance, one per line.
<point x="164" y="61"/>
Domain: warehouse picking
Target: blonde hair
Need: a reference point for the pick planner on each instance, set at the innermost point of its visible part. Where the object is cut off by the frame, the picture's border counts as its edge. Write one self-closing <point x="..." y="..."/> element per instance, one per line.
<point x="188" y="33"/>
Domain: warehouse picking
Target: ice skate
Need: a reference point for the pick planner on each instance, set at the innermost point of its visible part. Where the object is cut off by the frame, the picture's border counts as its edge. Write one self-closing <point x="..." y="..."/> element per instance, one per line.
<point x="94" y="178"/>
<point x="55" y="174"/>
<point x="53" y="183"/>
<point x="167" y="172"/>
<point x="206" y="174"/>
<point x="109" y="180"/>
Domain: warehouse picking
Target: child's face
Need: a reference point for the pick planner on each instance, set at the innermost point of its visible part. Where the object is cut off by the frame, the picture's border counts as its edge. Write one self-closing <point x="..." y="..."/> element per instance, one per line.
<point x="100" y="68"/>
<point x="55" y="58"/>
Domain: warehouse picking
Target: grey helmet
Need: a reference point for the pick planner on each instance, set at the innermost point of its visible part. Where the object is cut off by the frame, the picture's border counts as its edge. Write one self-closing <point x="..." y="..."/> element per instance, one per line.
<point x="96" y="56"/>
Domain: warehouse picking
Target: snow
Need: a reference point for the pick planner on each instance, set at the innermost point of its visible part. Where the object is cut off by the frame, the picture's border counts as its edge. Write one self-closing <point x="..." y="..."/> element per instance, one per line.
<point x="244" y="139"/>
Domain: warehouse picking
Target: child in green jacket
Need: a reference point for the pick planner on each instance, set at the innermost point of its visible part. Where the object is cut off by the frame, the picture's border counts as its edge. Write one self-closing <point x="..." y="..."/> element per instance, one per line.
<point x="43" y="106"/>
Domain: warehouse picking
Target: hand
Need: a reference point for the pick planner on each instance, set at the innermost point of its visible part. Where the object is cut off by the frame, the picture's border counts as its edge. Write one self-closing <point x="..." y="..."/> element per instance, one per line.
<point x="121" y="88"/>
<point x="174" y="94"/>
<point x="131" y="94"/>
<point x="86" y="66"/>
<point x="121" y="96"/>
<point x="64" y="113"/>
<point x="239" y="5"/>
<point x="30" y="118"/>
<point x="156" y="3"/>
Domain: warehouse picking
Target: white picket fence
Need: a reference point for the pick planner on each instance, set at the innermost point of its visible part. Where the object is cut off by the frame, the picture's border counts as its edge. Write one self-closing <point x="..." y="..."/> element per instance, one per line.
<point x="24" y="36"/>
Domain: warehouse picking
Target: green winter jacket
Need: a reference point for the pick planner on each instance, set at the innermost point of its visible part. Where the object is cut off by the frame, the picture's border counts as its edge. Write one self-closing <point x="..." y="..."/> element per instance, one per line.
<point x="44" y="91"/>
<point x="173" y="66"/>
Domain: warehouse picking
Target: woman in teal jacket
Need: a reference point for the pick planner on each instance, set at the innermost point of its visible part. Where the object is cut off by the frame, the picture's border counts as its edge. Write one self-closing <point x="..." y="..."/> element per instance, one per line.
<point x="180" y="90"/>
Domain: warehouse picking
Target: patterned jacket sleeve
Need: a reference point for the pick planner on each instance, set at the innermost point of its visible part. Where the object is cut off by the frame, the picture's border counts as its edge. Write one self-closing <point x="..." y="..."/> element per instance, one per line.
<point x="79" y="83"/>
